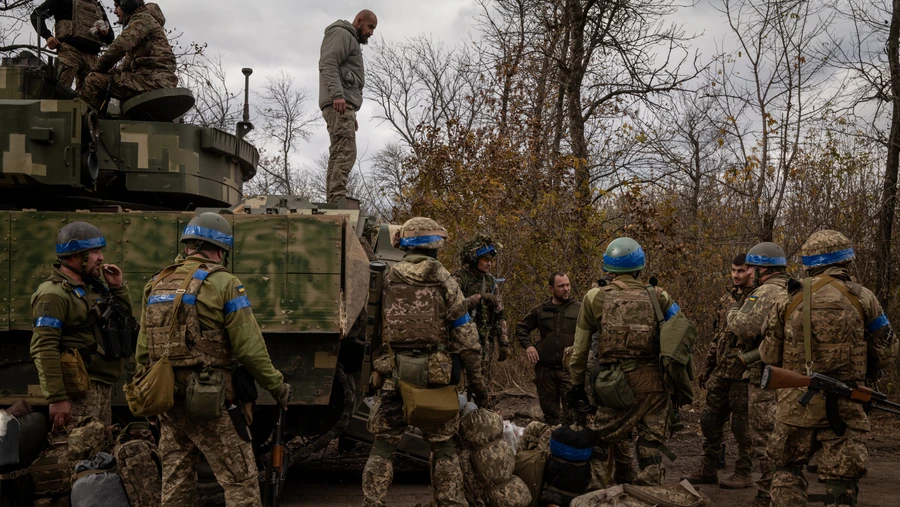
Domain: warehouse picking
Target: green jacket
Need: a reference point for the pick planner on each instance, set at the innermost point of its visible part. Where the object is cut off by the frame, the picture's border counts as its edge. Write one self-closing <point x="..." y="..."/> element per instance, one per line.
<point x="222" y="304"/>
<point x="59" y="304"/>
<point x="491" y="322"/>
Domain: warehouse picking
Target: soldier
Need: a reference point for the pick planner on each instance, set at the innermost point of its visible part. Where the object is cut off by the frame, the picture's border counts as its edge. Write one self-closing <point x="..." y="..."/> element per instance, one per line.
<point x="341" y="79"/>
<point x="65" y="318"/>
<point x="555" y="320"/>
<point x="834" y="326"/>
<point x="148" y="62"/>
<point x="726" y="382"/>
<point x="624" y="313"/>
<point x="196" y="313"/>
<point x="484" y="301"/>
<point x="425" y="316"/>
<point x="82" y="28"/>
<point x="747" y="322"/>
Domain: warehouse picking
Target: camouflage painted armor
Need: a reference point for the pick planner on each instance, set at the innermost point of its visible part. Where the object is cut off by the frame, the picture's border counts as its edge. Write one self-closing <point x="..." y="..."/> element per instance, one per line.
<point x="629" y="329"/>
<point x="489" y="320"/>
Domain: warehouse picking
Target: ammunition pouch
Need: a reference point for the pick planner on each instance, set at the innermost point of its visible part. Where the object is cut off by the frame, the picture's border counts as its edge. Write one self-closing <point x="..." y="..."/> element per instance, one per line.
<point x="611" y="388"/>
<point x="74" y="372"/>
<point x="205" y="395"/>
<point x="428" y="408"/>
<point x="119" y="335"/>
<point x="412" y="368"/>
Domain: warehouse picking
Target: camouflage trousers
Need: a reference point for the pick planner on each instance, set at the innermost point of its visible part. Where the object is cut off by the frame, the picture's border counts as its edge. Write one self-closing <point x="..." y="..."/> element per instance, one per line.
<point x="341" y="153"/>
<point x="648" y="420"/>
<point x="73" y="66"/>
<point x="843" y="460"/>
<point x="761" y="414"/>
<point x="487" y="361"/>
<point x="622" y="471"/>
<point x="552" y="386"/>
<point x="97" y="403"/>
<point x="387" y="423"/>
<point x="724" y="398"/>
<point x="123" y="85"/>
<point x="181" y="440"/>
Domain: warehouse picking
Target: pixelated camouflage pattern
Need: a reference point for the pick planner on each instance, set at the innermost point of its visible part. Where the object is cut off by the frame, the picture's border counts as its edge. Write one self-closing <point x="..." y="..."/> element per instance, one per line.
<point x="647" y="419"/>
<point x="748" y="322"/>
<point x="143" y="46"/>
<point x="84" y="14"/>
<point x="87" y="439"/>
<point x="139" y="466"/>
<point x="414" y="312"/>
<point x="489" y="461"/>
<point x="73" y="66"/>
<point x="467" y="254"/>
<point x="669" y="494"/>
<point x="726" y="346"/>
<point x="762" y="404"/>
<point x="512" y="493"/>
<point x="825" y="242"/>
<point x="629" y="327"/>
<point x="122" y="85"/>
<point x="536" y="435"/>
<point x="421" y="226"/>
<point x="726" y="398"/>
<point x="341" y="152"/>
<point x="490" y="321"/>
<point x="181" y="441"/>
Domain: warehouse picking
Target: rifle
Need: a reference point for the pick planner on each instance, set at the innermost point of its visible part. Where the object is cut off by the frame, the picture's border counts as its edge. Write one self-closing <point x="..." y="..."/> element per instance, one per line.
<point x="780" y="378"/>
<point x="276" y="471"/>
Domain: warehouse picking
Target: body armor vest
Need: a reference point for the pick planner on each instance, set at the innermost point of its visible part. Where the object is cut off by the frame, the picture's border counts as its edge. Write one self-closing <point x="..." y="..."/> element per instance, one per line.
<point x="629" y="326"/>
<point x="838" y="340"/>
<point x="188" y="344"/>
<point x="84" y="14"/>
<point x="414" y="314"/>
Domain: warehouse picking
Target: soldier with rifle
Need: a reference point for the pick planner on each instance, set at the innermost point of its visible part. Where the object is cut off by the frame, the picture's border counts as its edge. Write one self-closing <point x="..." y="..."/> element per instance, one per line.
<point x="830" y="327"/>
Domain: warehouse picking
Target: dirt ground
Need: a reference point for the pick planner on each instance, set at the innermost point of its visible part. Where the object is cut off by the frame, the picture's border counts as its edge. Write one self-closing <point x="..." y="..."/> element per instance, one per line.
<point x="333" y="478"/>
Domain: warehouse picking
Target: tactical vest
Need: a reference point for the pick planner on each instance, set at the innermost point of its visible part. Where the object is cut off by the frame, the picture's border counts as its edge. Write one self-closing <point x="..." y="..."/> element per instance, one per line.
<point x="414" y="314"/>
<point x="837" y="345"/>
<point x="185" y="343"/>
<point x="84" y="14"/>
<point x="629" y="326"/>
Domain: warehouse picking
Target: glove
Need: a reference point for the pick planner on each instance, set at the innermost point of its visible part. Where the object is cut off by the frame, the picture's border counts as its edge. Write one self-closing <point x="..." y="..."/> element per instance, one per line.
<point x="489" y="298"/>
<point x="577" y="398"/>
<point x="283" y="395"/>
<point x="504" y="353"/>
<point x="480" y="395"/>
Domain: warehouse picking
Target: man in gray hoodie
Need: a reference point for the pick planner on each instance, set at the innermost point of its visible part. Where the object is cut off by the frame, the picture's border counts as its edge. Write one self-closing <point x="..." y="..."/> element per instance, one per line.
<point x="341" y="79"/>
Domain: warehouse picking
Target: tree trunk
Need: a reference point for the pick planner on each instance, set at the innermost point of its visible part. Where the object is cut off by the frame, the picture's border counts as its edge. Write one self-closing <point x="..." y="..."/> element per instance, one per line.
<point x="889" y="185"/>
<point x="577" y="69"/>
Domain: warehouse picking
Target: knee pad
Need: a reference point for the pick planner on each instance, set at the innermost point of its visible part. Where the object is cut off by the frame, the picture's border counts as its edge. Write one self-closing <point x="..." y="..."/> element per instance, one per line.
<point x="841" y="492"/>
<point x="383" y="448"/>
<point x="443" y="449"/>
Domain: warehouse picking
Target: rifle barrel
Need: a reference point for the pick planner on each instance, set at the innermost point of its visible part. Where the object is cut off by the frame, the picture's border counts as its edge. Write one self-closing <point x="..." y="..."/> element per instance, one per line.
<point x="885" y="409"/>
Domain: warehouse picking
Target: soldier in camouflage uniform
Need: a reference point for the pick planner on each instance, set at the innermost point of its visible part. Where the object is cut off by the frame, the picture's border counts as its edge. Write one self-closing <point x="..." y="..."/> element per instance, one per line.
<point x="424" y="313"/>
<point x="747" y="322"/>
<point x="485" y="304"/>
<point x="211" y="329"/>
<point x="623" y="312"/>
<point x="148" y="62"/>
<point x="849" y="339"/>
<point x="82" y="28"/>
<point x="64" y="318"/>
<point x="725" y="379"/>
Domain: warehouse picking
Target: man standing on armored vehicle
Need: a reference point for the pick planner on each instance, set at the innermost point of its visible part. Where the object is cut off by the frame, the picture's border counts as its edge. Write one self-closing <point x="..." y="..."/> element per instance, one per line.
<point x="748" y="321"/>
<point x="628" y="385"/>
<point x="485" y="304"/>
<point x="725" y="379"/>
<point x="196" y="313"/>
<point x="341" y="79"/>
<point x="831" y="325"/>
<point x="425" y="330"/>
<point x="65" y="322"/>
<point x="148" y="62"/>
<point x="82" y="28"/>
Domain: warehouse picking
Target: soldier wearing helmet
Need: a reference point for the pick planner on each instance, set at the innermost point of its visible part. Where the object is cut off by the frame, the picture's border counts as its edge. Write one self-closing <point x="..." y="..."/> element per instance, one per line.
<point x="834" y="326"/>
<point x="64" y="318"/>
<point x="147" y="59"/>
<point x="485" y="303"/>
<point x="747" y="322"/>
<point x="425" y="322"/>
<point x="623" y="314"/>
<point x="198" y="315"/>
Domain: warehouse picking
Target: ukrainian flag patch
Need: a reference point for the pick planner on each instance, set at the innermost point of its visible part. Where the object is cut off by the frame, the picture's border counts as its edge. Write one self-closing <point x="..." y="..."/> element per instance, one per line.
<point x="240" y="288"/>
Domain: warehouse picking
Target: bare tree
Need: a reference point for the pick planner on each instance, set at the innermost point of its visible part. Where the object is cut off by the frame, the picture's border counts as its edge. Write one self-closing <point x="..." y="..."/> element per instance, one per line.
<point x="215" y="105"/>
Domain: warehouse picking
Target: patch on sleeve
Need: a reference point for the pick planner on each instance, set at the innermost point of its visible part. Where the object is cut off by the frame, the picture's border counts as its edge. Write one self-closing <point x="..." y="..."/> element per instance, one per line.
<point x="749" y="304"/>
<point x="240" y="288"/>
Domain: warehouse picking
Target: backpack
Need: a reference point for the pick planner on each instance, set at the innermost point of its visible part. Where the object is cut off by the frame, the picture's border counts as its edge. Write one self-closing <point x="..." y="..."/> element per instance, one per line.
<point x="139" y="465"/>
<point x="530" y="465"/>
<point x="95" y="483"/>
<point x="677" y="336"/>
<point x="682" y="494"/>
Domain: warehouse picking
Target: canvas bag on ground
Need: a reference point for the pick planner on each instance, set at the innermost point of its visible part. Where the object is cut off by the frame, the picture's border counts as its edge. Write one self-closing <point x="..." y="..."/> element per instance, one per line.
<point x="95" y="482"/>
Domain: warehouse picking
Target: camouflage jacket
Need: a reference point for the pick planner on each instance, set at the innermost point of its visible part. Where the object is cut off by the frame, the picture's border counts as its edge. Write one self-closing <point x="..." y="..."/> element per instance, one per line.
<point x="590" y="322"/>
<point x="420" y="269"/>
<point x="143" y="45"/>
<point x="748" y="321"/>
<point x="59" y="304"/>
<point x="222" y="304"/>
<point x="725" y="347"/>
<point x="491" y="322"/>
<point x="844" y="344"/>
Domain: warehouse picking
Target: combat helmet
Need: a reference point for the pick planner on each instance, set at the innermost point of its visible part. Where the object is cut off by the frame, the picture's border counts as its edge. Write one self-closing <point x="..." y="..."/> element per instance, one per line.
<point x="420" y="233"/>
<point x="479" y="247"/>
<point x="767" y="254"/>
<point x="826" y="247"/>
<point x="623" y="255"/>
<point x="209" y="228"/>
<point x="77" y="237"/>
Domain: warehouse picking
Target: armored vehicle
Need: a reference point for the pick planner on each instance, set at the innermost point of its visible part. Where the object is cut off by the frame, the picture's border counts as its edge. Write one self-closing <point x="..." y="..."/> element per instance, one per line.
<point x="140" y="177"/>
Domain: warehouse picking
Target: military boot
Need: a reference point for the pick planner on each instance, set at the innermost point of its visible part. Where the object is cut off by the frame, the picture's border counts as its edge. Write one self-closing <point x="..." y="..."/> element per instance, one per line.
<point x="740" y="479"/>
<point x="705" y="475"/>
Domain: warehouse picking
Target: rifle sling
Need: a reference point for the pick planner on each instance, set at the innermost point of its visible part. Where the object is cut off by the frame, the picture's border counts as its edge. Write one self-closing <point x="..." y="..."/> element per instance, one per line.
<point x="807" y="321"/>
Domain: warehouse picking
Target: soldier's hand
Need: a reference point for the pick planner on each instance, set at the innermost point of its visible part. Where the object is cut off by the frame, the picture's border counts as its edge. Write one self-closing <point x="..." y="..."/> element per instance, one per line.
<point x="340" y="106"/>
<point x="489" y="298"/>
<point x="480" y="395"/>
<point x="60" y="414"/>
<point x="113" y="275"/>
<point x="52" y="43"/>
<point x="283" y="395"/>
<point x="532" y="354"/>
<point x="504" y="353"/>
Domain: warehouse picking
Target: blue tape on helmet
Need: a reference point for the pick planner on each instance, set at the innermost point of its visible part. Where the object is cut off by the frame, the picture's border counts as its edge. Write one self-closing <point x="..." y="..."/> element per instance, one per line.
<point x="878" y="323"/>
<point x="80" y="245"/>
<point x="485" y="250"/>
<point x="460" y="321"/>
<point x="812" y="261"/>
<point x="48" y="322"/>
<point x="766" y="261"/>
<point x="673" y="309"/>
<point x="236" y="304"/>
<point x="569" y="453"/>
<point x="418" y="241"/>
<point x="633" y="260"/>
<point x="203" y="232"/>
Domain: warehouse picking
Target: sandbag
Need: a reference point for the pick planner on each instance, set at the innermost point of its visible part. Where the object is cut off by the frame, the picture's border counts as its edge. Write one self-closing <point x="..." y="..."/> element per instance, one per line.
<point x="682" y="494"/>
<point x="512" y="493"/>
<point x="95" y="482"/>
<point x="493" y="464"/>
<point x="87" y="439"/>
<point x="138" y="465"/>
<point x="51" y="472"/>
<point x="529" y="467"/>
<point x="480" y="427"/>
<point x="473" y="489"/>
<point x="535" y="436"/>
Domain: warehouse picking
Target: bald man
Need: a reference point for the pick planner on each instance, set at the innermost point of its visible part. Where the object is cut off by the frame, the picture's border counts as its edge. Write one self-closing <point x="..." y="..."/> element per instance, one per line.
<point x="341" y="79"/>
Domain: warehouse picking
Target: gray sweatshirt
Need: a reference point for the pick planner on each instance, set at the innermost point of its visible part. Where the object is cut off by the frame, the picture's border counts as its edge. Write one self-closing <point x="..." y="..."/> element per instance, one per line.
<point x="341" y="71"/>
